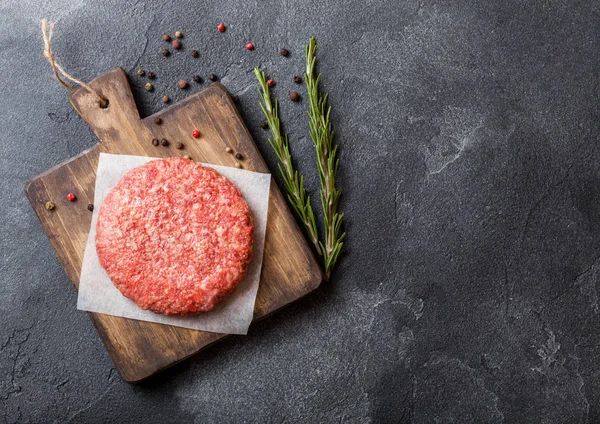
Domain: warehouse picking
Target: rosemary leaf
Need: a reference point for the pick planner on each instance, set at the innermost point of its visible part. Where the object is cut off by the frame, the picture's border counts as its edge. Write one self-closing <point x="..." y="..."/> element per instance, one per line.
<point x="293" y="181"/>
<point x="328" y="164"/>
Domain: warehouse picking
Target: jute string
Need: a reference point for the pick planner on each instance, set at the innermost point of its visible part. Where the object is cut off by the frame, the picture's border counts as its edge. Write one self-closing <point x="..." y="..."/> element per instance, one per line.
<point x="47" y="32"/>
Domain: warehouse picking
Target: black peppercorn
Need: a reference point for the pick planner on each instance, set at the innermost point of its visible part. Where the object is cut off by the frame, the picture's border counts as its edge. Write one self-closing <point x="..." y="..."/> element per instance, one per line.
<point x="179" y="145"/>
<point x="155" y="141"/>
<point x="294" y="97"/>
<point x="157" y="121"/>
<point x="197" y="79"/>
<point x="194" y="53"/>
<point x="264" y="125"/>
<point x="239" y="156"/>
<point x="90" y="207"/>
<point x="212" y="77"/>
<point x="297" y="79"/>
<point x="164" y="142"/>
<point x="284" y="52"/>
<point x="151" y="75"/>
<point x="165" y="52"/>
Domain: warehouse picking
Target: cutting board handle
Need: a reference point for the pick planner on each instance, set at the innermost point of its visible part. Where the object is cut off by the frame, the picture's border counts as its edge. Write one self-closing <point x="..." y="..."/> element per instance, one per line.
<point x="121" y="108"/>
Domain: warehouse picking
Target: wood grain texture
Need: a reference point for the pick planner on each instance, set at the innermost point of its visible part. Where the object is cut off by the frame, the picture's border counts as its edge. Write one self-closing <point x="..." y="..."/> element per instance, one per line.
<point x="290" y="271"/>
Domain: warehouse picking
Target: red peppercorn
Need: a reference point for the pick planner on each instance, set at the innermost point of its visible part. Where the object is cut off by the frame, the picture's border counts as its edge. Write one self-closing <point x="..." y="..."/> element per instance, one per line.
<point x="71" y="197"/>
<point x="249" y="46"/>
<point x="271" y="83"/>
<point x="196" y="134"/>
<point x="221" y="27"/>
<point x="176" y="44"/>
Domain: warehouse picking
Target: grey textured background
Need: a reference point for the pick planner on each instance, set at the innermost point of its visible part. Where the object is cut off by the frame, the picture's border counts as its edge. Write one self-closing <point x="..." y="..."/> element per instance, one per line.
<point x="468" y="291"/>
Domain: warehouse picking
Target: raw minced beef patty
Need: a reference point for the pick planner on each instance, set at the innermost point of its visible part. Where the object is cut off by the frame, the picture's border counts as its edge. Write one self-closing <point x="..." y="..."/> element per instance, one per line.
<point x="175" y="236"/>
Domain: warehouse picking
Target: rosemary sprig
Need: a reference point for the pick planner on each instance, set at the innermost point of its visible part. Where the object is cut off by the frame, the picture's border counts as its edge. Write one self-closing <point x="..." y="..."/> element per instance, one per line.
<point x="294" y="182"/>
<point x="328" y="164"/>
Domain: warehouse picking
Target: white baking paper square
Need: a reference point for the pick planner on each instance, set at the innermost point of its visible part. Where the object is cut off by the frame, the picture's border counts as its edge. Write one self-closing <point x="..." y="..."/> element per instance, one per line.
<point x="98" y="294"/>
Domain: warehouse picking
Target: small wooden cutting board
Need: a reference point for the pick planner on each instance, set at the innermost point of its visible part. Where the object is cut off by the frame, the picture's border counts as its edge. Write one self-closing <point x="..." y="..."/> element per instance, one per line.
<point x="140" y="349"/>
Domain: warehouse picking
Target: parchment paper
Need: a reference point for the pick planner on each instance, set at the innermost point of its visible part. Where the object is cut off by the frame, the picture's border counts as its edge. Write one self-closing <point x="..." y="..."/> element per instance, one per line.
<point x="98" y="294"/>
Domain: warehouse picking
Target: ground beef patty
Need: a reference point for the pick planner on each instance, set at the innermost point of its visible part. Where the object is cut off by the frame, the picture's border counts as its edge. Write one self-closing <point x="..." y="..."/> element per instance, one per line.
<point x="174" y="236"/>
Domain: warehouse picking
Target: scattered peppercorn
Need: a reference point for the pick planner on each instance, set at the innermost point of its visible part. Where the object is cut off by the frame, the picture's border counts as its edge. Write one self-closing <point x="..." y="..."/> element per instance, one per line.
<point x="221" y="27"/>
<point x="294" y="96"/>
<point x="157" y="121"/>
<point x="178" y="34"/>
<point x="50" y="206"/>
<point x="164" y="142"/>
<point x="155" y="141"/>
<point x="235" y="99"/>
<point x="166" y="99"/>
<point x="140" y="72"/>
<point x="149" y="86"/>
<point x="182" y="84"/>
<point x="196" y="134"/>
<point x="229" y="150"/>
<point x="264" y="125"/>
<point x="197" y="79"/>
<point x="249" y="46"/>
<point x="238" y="165"/>
<point x="91" y="207"/>
<point x="297" y="79"/>
<point x="179" y="145"/>
<point x="167" y="37"/>
<point x="176" y="44"/>
<point x="165" y="52"/>
<point x="239" y="156"/>
<point x="284" y="52"/>
<point x="194" y="53"/>
<point x="212" y="77"/>
<point x="71" y="197"/>
<point x="186" y="157"/>
<point x="151" y="75"/>
<point x="271" y="83"/>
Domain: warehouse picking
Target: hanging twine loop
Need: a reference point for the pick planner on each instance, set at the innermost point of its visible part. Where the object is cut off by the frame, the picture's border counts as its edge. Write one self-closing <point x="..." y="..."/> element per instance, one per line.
<point x="47" y="31"/>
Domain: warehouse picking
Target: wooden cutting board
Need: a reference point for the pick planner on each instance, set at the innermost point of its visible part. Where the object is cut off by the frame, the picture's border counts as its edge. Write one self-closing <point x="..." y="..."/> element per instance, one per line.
<point x="140" y="349"/>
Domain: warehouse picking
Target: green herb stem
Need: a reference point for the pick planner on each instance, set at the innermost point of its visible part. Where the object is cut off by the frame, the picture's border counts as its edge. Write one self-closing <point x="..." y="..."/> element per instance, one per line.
<point x="328" y="164"/>
<point x="294" y="182"/>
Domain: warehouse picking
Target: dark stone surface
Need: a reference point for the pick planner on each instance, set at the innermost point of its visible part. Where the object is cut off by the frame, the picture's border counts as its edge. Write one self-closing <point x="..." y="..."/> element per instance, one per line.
<point x="468" y="291"/>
